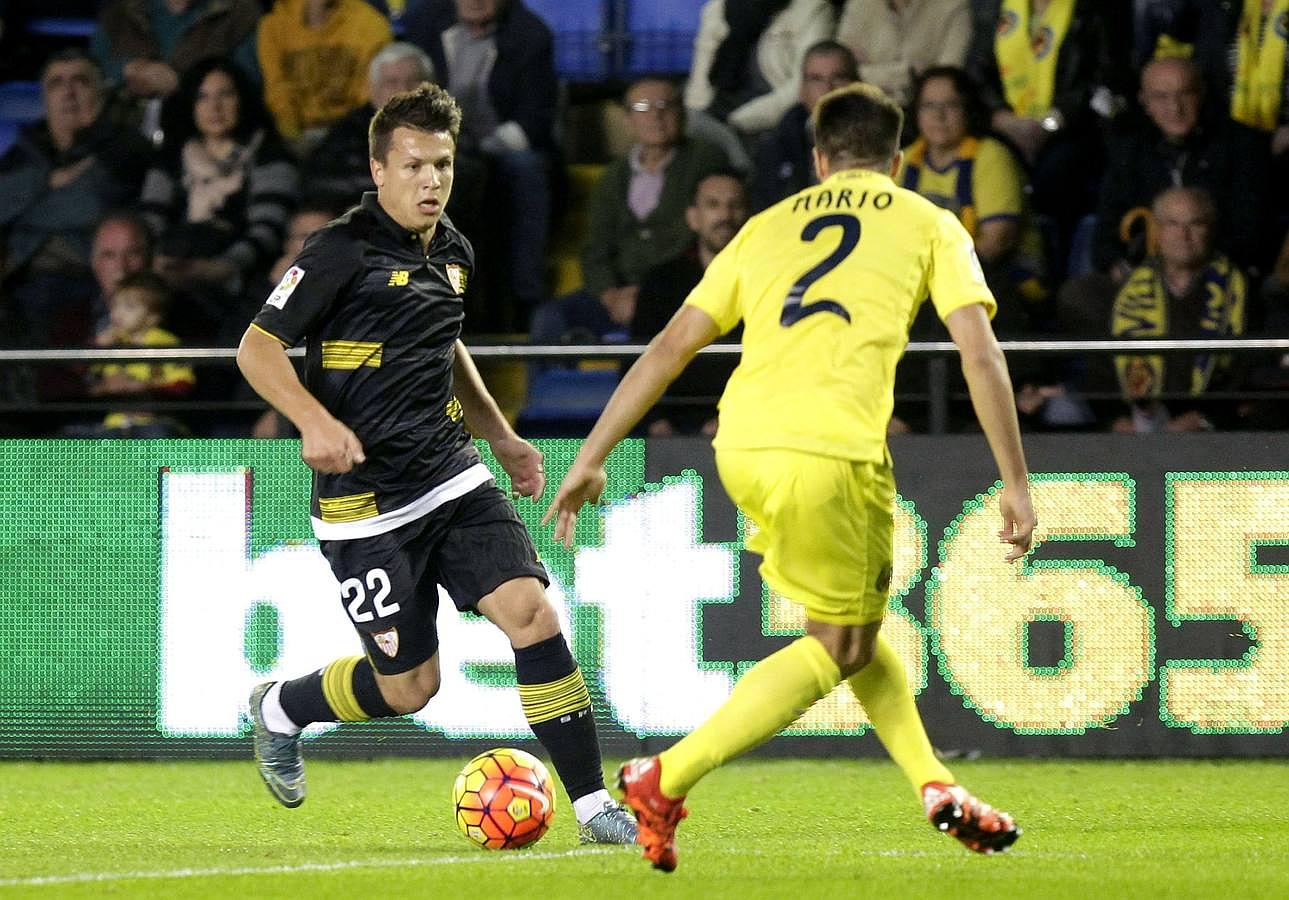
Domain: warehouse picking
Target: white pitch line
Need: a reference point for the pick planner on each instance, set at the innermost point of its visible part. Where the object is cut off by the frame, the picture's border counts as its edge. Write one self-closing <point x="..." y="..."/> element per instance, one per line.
<point x="484" y="857"/>
<point x="99" y="877"/>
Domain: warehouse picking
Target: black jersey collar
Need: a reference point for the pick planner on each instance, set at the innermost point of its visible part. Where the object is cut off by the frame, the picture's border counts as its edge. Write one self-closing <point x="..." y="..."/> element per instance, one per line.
<point x="405" y="238"/>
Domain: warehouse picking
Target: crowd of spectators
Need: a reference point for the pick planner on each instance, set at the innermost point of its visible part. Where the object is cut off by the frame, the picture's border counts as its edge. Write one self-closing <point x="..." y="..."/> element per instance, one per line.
<point x="1122" y="169"/>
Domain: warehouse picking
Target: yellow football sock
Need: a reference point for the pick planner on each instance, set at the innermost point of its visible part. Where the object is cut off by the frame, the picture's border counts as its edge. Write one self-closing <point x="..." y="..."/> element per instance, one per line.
<point x="768" y="698"/>
<point x="884" y="693"/>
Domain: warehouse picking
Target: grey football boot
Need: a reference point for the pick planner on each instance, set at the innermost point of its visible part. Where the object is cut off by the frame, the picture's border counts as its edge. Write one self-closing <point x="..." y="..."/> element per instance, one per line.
<point x="611" y="825"/>
<point x="278" y="755"/>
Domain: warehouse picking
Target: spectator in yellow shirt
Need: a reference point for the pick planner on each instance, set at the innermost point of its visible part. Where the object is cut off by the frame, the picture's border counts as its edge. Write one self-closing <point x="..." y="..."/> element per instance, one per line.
<point x="956" y="166"/>
<point x="136" y="310"/>
<point x="314" y="56"/>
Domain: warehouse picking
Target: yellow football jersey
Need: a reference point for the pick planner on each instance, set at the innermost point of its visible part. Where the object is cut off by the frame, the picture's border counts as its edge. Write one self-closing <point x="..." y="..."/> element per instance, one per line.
<point x="827" y="283"/>
<point x="984" y="182"/>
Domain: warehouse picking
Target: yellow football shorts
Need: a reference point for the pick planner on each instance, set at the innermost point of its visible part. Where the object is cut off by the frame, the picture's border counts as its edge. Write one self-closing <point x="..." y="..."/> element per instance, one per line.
<point x="824" y="528"/>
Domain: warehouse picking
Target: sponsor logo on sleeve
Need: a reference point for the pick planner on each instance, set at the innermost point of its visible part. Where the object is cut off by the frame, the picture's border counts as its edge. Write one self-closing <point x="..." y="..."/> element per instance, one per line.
<point x="285" y="287"/>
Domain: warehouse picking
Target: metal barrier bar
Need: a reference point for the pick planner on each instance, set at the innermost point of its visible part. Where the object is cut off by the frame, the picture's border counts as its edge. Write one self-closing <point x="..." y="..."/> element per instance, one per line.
<point x="935" y="353"/>
<point x="627" y="351"/>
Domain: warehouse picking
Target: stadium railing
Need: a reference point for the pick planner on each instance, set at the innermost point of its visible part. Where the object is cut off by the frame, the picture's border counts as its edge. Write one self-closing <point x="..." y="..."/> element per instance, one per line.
<point x="936" y="354"/>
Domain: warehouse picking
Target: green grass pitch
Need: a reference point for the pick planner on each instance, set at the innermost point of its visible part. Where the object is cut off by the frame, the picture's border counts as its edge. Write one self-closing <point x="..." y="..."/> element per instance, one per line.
<point x="800" y="829"/>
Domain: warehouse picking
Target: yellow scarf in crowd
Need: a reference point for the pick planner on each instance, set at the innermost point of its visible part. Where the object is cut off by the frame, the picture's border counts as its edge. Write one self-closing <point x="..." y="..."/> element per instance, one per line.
<point x="1141" y="311"/>
<point x="1260" y="64"/>
<point x="1027" y="52"/>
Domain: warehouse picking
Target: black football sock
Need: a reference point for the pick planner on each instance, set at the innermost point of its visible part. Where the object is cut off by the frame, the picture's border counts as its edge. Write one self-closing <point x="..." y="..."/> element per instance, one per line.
<point x="342" y="691"/>
<point x="558" y="709"/>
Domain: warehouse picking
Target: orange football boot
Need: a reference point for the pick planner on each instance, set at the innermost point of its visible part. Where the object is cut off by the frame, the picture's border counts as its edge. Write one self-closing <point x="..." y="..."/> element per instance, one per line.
<point x="657" y="814"/>
<point x="978" y="826"/>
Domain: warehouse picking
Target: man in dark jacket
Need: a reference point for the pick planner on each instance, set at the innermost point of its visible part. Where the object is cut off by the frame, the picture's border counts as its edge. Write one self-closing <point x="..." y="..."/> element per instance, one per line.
<point x="1176" y="146"/>
<point x="496" y="58"/>
<point x="716" y="212"/>
<point x="63" y="174"/>
<point x="782" y="157"/>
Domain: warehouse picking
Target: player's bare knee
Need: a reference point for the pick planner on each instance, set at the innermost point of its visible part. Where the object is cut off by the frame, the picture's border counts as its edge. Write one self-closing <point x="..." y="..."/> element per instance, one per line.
<point x="850" y="646"/>
<point x="521" y="609"/>
<point x="410" y="695"/>
<point x="410" y="699"/>
<point x="534" y="623"/>
<point x="542" y="621"/>
<point x="855" y="660"/>
<point x="849" y="656"/>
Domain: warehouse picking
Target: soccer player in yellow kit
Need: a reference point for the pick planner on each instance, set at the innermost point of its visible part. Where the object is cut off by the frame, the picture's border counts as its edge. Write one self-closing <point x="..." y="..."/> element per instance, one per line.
<point x="827" y="283"/>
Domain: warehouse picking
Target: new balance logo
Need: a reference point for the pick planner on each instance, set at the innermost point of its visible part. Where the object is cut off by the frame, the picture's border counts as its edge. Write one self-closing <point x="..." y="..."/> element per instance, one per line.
<point x="398" y="278"/>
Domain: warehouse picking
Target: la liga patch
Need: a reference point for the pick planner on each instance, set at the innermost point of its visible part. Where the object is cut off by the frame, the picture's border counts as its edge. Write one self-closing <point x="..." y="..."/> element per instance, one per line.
<point x="290" y="281"/>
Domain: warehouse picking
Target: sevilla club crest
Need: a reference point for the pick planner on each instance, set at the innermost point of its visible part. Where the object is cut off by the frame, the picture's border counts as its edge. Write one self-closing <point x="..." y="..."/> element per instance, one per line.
<point x="387" y="641"/>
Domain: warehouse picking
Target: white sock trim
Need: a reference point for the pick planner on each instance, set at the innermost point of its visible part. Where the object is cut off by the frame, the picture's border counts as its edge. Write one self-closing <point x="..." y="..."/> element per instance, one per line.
<point x="275" y="716"/>
<point x="591" y="805"/>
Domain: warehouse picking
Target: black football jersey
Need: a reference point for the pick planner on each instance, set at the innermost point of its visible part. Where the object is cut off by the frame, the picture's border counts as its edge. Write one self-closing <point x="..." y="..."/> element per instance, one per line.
<point x="380" y="318"/>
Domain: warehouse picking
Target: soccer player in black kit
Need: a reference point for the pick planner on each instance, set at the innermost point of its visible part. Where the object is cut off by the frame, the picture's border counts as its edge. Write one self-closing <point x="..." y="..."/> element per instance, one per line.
<point x="401" y="501"/>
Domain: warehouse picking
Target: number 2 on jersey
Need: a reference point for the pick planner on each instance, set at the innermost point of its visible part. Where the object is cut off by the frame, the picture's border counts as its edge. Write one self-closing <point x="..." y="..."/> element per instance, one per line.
<point x="793" y="309"/>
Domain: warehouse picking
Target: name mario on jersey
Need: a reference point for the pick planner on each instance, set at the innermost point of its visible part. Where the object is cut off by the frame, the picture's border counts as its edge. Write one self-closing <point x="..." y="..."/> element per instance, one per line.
<point x="842" y="198"/>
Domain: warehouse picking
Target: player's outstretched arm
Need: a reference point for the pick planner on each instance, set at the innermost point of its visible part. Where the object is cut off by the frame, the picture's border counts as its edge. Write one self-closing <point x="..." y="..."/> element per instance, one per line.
<point x="521" y="460"/>
<point x="326" y="443"/>
<point x="985" y="369"/>
<point x="689" y="330"/>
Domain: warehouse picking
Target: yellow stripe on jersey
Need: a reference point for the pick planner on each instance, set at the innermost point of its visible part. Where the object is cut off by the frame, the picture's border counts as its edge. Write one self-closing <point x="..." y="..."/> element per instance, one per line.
<point x="351" y="508"/>
<point x="454" y="410"/>
<point x="827" y="283"/>
<point x="350" y="355"/>
<point x="543" y="702"/>
<point x="338" y="689"/>
<point x="270" y="334"/>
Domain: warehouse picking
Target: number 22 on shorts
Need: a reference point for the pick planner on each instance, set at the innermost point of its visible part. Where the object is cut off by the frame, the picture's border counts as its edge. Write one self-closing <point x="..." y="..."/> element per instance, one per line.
<point x="355" y="596"/>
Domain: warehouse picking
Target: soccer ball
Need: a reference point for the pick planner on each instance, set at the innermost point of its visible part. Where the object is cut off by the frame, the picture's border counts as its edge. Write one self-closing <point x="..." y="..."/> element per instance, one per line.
<point x="504" y="799"/>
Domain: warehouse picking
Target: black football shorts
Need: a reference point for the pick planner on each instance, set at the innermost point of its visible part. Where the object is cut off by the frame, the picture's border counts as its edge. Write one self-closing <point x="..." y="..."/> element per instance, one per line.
<point x="389" y="582"/>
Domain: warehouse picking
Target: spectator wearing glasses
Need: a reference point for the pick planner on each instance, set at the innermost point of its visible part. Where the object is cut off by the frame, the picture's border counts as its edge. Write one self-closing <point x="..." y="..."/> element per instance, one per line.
<point x="896" y="40"/>
<point x="637" y="217"/>
<point x="958" y="167"/>
<point x="1176" y="144"/>
<point x="1186" y="290"/>
<point x="782" y="157"/>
